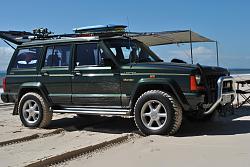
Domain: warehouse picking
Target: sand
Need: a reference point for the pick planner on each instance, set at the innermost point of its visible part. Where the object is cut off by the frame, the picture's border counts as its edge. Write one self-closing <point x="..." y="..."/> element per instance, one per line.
<point x="223" y="142"/>
<point x="25" y="153"/>
<point x="78" y="133"/>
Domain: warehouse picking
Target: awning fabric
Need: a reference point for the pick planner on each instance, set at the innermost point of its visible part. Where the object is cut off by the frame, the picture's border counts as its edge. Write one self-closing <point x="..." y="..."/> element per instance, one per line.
<point x="169" y="37"/>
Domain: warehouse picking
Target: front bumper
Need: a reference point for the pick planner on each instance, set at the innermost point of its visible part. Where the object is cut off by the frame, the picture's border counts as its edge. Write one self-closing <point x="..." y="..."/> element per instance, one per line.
<point x="223" y="97"/>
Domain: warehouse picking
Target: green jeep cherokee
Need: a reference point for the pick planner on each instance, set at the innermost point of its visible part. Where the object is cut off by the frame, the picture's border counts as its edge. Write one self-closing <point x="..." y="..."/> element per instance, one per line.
<point x="110" y="75"/>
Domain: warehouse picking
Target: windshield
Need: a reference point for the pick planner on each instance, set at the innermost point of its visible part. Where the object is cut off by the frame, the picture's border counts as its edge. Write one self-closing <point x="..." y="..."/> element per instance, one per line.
<point x="126" y="51"/>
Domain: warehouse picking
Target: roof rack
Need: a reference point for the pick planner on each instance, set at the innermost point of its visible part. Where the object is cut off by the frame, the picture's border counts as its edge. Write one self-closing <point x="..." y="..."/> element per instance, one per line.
<point x="106" y="31"/>
<point x="19" y="37"/>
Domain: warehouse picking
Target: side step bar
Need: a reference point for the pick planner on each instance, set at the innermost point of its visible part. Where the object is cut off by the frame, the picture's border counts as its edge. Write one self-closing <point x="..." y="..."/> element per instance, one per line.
<point x="93" y="111"/>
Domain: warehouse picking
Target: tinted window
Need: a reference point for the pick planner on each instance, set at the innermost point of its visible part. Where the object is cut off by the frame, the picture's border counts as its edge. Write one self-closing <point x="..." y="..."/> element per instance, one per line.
<point x="57" y="56"/>
<point x="27" y="58"/>
<point x="88" y="54"/>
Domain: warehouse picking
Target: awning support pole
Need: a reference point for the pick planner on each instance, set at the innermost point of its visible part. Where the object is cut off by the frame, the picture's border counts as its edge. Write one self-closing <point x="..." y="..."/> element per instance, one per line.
<point x="191" y="46"/>
<point x="217" y="53"/>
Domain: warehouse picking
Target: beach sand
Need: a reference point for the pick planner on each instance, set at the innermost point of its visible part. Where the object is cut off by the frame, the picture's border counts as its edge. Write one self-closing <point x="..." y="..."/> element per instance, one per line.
<point x="224" y="142"/>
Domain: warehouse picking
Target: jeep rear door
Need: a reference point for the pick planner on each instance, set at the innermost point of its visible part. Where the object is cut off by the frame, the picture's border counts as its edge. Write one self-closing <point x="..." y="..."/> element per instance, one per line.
<point x="93" y="83"/>
<point x="55" y="74"/>
<point x="23" y="68"/>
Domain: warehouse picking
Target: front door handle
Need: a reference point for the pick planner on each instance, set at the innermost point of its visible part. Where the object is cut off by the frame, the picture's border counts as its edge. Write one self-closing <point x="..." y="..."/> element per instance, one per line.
<point x="77" y="73"/>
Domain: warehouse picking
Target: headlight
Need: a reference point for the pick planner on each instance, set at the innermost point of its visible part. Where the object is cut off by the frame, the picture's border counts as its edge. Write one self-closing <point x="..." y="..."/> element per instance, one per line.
<point x="198" y="79"/>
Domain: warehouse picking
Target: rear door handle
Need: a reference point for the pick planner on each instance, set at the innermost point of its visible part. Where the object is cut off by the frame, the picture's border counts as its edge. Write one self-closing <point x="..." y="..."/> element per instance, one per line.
<point x="45" y="74"/>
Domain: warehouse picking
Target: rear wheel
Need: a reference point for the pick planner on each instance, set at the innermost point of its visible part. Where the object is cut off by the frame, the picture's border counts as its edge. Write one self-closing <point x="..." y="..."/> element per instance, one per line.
<point x="34" y="111"/>
<point x="157" y="112"/>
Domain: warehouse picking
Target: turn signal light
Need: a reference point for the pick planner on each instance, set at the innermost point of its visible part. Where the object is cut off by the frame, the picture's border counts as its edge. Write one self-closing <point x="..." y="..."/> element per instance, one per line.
<point x="193" y="84"/>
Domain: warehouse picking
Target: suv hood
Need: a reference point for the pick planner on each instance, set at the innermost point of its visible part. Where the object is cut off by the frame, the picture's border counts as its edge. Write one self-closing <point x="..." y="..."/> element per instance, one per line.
<point x="211" y="70"/>
<point x="181" y="68"/>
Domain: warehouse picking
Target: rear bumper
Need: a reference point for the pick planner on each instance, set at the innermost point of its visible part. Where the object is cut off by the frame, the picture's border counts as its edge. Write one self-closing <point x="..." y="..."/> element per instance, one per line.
<point x="5" y="98"/>
<point x="8" y="97"/>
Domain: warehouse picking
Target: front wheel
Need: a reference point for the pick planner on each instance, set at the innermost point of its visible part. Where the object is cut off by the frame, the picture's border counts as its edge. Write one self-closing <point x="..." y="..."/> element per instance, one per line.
<point x="157" y="113"/>
<point x="34" y="111"/>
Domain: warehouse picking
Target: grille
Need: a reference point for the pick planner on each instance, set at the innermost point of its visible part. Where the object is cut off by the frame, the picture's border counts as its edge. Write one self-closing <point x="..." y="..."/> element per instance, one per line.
<point x="211" y="95"/>
<point x="212" y="82"/>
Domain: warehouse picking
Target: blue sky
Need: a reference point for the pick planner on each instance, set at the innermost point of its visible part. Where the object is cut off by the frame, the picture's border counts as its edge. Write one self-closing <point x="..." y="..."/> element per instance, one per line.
<point x="225" y="21"/>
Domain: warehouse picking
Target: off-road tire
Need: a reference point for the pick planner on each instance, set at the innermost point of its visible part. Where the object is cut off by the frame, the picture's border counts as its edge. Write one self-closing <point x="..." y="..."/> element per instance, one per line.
<point x="173" y="108"/>
<point x="45" y="114"/>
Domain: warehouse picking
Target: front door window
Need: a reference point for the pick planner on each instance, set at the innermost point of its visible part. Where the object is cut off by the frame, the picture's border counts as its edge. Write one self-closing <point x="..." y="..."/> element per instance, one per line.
<point x="89" y="54"/>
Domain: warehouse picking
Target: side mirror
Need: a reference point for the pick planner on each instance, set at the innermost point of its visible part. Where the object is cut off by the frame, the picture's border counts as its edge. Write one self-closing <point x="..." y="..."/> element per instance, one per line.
<point x="109" y="62"/>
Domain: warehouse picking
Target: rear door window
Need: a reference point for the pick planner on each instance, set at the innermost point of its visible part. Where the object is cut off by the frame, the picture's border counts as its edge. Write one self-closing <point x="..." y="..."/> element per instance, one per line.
<point x="27" y="58"/>
<point x="57" y="56"/>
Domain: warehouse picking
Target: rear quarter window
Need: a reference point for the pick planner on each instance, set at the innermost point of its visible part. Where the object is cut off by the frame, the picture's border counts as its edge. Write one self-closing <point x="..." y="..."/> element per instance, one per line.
<point x="27" y="58"/>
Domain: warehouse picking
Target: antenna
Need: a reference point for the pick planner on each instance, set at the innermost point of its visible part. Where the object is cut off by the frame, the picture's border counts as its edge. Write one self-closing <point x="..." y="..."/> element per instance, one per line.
<point x="128" y="24"/>
<point x="129" y="42"/>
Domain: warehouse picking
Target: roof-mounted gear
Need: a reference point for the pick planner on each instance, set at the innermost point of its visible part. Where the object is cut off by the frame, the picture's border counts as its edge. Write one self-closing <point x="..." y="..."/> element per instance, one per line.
<point x="42" y="33"/>
<point x="106" y="31"/>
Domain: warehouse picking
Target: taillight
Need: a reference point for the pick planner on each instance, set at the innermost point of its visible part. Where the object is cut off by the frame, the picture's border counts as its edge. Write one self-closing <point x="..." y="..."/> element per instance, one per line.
<point x="4" y="84"/>
<point x="193" y="84"/>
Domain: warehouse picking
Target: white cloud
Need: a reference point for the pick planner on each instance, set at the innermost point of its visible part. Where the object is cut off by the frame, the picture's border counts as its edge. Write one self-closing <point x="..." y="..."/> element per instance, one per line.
<point x="201" y="54"/>
<point x="5" y="56"/>
<point x="199" y="51"/>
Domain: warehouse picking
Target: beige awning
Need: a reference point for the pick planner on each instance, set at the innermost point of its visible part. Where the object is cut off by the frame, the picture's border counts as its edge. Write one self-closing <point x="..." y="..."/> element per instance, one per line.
<point x="169" y="37"/>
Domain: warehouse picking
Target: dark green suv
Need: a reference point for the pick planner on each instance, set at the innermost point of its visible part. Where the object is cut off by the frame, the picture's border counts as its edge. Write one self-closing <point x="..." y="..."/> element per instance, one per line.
<point x="111" y="75"/>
